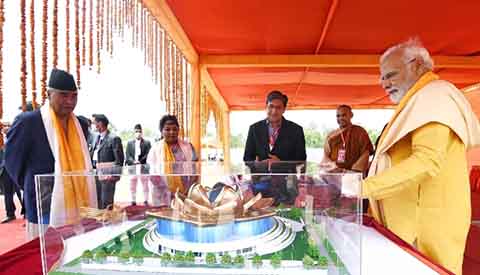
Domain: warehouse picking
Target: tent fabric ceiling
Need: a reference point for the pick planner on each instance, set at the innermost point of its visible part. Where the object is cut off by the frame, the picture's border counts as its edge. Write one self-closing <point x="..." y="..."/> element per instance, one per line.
<point x="295" y="27"/>
<point x="322" y="88"/>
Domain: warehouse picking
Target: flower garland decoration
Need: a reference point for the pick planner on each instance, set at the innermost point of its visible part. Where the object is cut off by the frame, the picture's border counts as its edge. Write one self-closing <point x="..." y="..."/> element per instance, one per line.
<point x="32" y="55"/>
<point x="77" y="41"/>
<point x="23" y="53"/>
<point x="55" y="33"/>
<point x="43" y="79"/>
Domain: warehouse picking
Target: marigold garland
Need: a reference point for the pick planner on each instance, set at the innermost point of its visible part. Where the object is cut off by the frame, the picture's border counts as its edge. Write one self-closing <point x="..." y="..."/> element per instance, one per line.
<point x="32" y="55"/>
<point x="23" y="53"/>
<point x="107" y="25"/>
<point x="43" y="79"/>
<point x="84" y="21"/>
<point x="67" y="34"/>
<point x="135" y="24"/>
<point x="55" y="34"/>
<point x="77" y="41"/>
<point x="162" y="61"/>
<point x="2" y="21"/>
<point x="155" y="58"/>
<point x="99" y="33"/>
<point x="180" y="91"/>
<point x="90" y="39"/>
<point x="167" y="73"/>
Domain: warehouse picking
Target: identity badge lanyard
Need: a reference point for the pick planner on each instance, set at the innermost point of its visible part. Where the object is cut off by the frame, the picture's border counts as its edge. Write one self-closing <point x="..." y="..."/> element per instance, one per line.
<point x="273" y="138"/>
<point x="343" y="150"/>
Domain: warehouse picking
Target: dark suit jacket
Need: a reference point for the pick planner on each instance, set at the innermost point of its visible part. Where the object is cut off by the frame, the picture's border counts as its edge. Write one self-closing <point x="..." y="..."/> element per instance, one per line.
<point x="130" y="152"/>
<point x="289" y="146"/>
<point x="145" y="147"/>
<point x="28" y="153"/>
<point x="4" y="177"/>
<point x="110" y="150"/>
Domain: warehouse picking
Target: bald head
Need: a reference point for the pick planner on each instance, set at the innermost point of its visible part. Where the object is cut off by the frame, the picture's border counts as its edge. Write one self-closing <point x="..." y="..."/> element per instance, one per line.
<point x="344" y="116"/>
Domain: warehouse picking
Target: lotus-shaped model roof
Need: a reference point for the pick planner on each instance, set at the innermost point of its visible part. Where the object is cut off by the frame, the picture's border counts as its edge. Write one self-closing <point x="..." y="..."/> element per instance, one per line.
<point x="220" y="204"/>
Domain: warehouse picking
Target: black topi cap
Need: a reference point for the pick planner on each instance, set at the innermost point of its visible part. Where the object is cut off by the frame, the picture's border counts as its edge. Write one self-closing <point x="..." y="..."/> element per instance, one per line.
<point x="62" y="81"/>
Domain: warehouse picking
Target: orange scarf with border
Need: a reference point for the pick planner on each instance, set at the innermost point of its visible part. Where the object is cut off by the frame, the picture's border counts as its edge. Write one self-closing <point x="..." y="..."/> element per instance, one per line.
<point x="71" y="159"/>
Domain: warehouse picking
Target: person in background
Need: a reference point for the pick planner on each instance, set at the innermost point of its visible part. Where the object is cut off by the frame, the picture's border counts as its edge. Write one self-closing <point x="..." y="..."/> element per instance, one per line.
<point x="136" y="156"/>
<point x="107" y="155"/>
<point x="349" y="146"/>
<point x="9" y="187"/>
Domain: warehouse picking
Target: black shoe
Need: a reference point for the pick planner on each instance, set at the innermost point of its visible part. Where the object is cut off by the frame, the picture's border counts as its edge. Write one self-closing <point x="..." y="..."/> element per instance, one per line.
<point x="8" y="219"/>
<point x="133" y="203"/>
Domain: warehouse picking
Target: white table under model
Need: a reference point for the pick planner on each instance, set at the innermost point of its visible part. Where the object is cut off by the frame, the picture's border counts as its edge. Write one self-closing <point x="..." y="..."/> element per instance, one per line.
<point x="379" y="256"/>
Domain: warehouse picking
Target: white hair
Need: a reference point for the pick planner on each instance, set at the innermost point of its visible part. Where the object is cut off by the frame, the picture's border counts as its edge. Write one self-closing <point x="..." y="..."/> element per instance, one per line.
<point x="411" y="49"/>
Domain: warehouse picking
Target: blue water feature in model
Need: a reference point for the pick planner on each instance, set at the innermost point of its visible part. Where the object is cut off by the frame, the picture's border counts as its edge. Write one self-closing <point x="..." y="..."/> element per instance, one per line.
<point x="183" y="231"/>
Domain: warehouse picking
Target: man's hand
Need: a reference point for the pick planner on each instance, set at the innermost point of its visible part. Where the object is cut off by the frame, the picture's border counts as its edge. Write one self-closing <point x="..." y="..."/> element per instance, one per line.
<point x="273" y="158"/>
<point x="327" y="165"/>
<point x="136" y="162"/>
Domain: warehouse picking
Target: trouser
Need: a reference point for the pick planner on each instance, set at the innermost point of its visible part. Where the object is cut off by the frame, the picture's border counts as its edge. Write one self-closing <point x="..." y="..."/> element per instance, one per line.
<point x="105" y="193"/>
<point x="133" y="187"/>
<point x="10" y="189"/>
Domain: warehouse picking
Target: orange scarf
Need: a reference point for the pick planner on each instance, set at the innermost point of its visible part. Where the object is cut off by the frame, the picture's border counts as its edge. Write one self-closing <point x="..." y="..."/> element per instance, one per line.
<point x="421" y="82"/>
<point x="174" y="182"/>
<point x="71" y="159"/>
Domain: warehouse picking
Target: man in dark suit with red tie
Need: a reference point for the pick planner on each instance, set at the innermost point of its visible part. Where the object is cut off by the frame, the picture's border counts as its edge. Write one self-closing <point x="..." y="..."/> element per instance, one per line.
<point x="273" y="141"/>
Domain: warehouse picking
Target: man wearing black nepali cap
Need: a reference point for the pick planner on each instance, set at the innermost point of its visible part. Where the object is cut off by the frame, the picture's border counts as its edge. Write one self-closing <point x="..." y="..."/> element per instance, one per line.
<point x="51" y="140"/>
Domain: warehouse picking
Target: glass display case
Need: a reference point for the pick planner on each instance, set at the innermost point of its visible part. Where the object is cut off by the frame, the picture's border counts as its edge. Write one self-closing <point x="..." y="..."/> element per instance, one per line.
<point x="198" y="218"/>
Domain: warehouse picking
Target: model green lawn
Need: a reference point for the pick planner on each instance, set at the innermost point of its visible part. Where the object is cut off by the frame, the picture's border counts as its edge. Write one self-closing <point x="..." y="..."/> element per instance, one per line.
<point x="128" y="248"/>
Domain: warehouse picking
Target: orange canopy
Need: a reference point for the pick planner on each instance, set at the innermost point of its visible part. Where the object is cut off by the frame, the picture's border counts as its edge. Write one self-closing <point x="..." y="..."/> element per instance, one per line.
<point x="357" y="30"/>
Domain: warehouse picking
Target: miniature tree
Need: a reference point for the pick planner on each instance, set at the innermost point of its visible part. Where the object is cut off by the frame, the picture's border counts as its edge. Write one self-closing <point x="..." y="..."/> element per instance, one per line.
<point x="166" y="258"/>
<point x="105" y="249"/>
<point x="179" y="258"/>
<point x="276" y="260"/>
<point x="308" y="262"/>
<point x="239" y="261"/>
<point x="295" y="214"/>
<point x="137" y="257"/>
<point x="118" y="242"/>
<point x="190" y="257"/>
<point x="130" y="237"/>
<point x="257" y="260"/>
<point x="226" y="259"/>
<point x="281" y="210"/>
<point x="211" y="259"/>
<point x="87" y="256"/>
<point x="100" y="256"/>
<point x="323" y="262"/>
<point x="313" y="251"/>
<point x="124" y="257"/>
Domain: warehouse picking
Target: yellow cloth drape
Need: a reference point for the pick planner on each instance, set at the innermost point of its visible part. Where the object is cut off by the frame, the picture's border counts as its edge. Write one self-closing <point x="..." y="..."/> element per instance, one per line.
<point x="425" y="195"/>
<point x="174" y="182"/>
<point x="421" y="82"/>
<point x="71" y="159"/>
